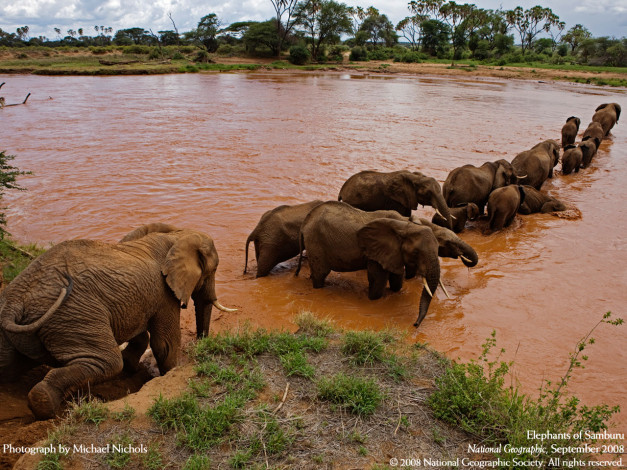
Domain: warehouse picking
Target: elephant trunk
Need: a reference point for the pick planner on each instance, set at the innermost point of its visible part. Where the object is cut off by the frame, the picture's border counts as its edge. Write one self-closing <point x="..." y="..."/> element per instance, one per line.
<point x="204" y="301"/>
<point x="432" y="278"/>
<point x="440" y="206"/>
<point x="468" y="255"/>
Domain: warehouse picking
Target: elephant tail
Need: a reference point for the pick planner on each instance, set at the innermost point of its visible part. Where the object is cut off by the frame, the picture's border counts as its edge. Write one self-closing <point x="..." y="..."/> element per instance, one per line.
<point x="9" y="323"/>
<point x="301" y="247"/>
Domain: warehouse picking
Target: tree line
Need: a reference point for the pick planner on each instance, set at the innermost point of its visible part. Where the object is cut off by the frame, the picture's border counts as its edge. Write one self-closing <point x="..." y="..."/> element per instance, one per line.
<point x="320" y="30"/>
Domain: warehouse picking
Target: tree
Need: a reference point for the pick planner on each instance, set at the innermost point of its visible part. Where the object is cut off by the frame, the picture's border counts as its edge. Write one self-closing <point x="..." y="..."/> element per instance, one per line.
<point x="264" y="34"/>
<point x="411" y="29"/>
<point x="169" y="38"/>
<point x="462" y="19"/>
<point x="377" y="28"/>
<point x="530" y="23"/>
<point x="22" y="33"/>
<point x="556" y="34"/>
<point x="435" y="37"/>
<point x="207" y="32"/>
<point x="322" y="21"/>
<point x="426" y="7"/>
<point x="126" y="37"/>
<point x="575" y="36"/>
<point x="283" y="7"/>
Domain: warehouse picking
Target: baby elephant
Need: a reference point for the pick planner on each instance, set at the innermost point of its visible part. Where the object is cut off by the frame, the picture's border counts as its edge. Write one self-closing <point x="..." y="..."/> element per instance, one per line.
<point x="276" y="236"/>
<point x="572" y="159"/>
<point x="460" y="216"/>
<point x="537" y="201"/>
<point x="588" y="151"/>
<point x="569" y="131"/>
<point x="503" y="204"/>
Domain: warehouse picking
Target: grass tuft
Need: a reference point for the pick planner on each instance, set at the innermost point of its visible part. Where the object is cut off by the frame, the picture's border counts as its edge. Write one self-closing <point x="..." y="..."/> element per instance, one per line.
<point x="357" y="395"/>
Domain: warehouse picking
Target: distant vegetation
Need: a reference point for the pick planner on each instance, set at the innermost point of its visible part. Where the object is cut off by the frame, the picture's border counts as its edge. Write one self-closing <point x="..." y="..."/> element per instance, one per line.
<point x="322" y="30"/>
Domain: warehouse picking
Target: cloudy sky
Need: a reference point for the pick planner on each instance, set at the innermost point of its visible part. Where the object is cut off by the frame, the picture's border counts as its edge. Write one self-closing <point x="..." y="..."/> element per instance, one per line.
<point x="601" y="17"/>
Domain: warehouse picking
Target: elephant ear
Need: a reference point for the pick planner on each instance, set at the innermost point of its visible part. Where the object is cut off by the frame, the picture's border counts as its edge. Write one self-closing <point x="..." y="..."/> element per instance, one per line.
<point x="402" y="190"/>
<point x="523" y="195"/>
<point x="472" y="211"/>
<point x="380" y="242"/>
<point x="601" y="106"/>
<point x="617" y="108"/>
<point x="185" y="263"/>
<point x="144" y="230"/>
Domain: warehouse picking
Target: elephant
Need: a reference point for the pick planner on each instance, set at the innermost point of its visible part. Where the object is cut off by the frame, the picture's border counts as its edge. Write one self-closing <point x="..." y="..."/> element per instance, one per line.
<point x="537" y="163"/>
<point x="460" y="216"/>
<point x="595" y="132"/>
<point x="449" y="244"/>
<point x="607" y="114"/>
<point x="503" y="205"/>
<point x="572" y="159"/>
<point x="588" y="151"/>
<point x="339" y="237"/>
<point x="469" y="183"/>
<point x="569" y="131"/>
<point x="400" y="191"/>
<point x="276" y="236"/>
<point x="76" y="303"/>
<point x="536" y="201"/>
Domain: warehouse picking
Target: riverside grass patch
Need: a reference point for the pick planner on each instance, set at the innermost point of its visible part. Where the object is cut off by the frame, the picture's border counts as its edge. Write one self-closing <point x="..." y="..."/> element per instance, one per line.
<point x="474" y="397"/>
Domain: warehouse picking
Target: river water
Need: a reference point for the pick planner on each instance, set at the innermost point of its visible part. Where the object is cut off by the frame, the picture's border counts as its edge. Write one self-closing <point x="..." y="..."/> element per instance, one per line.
<point x="215" y="151"/>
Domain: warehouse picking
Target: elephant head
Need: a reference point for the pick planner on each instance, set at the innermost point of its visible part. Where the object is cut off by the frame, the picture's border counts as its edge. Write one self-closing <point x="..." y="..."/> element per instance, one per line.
<point x="449" y="244"/>
<point x="504" y="174"/>
<point x="189" y="269"/>
<point x="395" y="244"/>
<point x="413" y="188"/>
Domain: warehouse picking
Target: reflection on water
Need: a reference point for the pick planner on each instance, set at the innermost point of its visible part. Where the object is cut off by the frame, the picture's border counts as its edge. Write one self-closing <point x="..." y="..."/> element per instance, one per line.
<point x="215" y="151"/>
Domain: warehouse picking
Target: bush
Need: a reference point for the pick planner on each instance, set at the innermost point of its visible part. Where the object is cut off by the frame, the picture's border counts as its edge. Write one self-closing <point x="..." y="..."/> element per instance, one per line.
<point x="137" y="49"/>
<point x="154" y="54"/>
<point x="358" y="53"/>
<point x="381" y="54"/>
<point x="409" y="57"/>
<point x="98" y="50"/>
<point x="299" y="55"/>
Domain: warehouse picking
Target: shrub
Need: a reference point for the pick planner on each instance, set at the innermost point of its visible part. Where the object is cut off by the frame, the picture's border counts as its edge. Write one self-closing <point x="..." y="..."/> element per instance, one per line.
<point x="137" y="49"/>
<point x="409" y="57"/>
<point x="299" y="55"/>
<point x="202" y="56"/>
<point x="178" y="56"/>
<point x="358" y="53"/>
<point x="357" y="395"/>
<point x="380" y="54"/>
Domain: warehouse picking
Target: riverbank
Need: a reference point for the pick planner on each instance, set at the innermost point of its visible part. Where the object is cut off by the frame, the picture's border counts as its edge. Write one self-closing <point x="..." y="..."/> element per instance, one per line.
<point x="46" y="62"/>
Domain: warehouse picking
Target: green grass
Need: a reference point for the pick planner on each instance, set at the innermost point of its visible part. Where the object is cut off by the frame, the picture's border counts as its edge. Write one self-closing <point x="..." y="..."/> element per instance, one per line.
<point x="119" y="458"/>
<point x="153" y="460"/>
<point x="14" y="258"/>
<point x="89" y="411"/>
<point x="127" y="414"/>
<point x="358" y="395"/>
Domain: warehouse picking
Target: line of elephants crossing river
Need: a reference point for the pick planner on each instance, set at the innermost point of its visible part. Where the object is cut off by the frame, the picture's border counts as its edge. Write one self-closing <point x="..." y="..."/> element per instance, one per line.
<point x="214" y="152"/>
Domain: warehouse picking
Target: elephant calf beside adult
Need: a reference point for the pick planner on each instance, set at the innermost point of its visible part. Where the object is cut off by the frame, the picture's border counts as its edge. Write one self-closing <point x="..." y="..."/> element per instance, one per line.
<point x="536" y="201"/>
<point x="460" y="216"/>
<point x="400" y="191"/>
<point x="276" y="236"/>
<point x="569" y="130"/>
<point x="342" y="238"/>
<point x="503" y="205"/>
<point x="471" y="184"/>
<point x="97" y="296"/>
<point x="537" y="163"/>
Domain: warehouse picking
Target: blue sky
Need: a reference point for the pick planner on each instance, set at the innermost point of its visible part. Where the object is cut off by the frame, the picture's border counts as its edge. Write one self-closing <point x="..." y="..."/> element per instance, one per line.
<point x="601" y="17"/>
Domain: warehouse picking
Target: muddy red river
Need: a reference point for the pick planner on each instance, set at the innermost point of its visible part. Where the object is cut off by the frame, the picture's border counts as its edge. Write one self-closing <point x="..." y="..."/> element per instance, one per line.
<point x="214" y="151"/>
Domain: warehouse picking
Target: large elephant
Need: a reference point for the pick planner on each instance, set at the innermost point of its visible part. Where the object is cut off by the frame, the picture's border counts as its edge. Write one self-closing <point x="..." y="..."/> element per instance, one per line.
<point x="276" y="236"/>
<point x="536" y="201"/>
<point x="339" y="237"/>
<point x="607" y="114"/>
<point x="460" y="215"/>
<point x="588" y="151"/>
<point x="449" y="244"/>
<point x="569" y="130"/>
<point x="594" y="132"/>
<point x="503" y="205"/>
<point x="572" y="159"/>
<point x="399" y="191"/>
<point x="75" y="304"/>
<point x="537" y="163"/>
<point x="469" y="183"/>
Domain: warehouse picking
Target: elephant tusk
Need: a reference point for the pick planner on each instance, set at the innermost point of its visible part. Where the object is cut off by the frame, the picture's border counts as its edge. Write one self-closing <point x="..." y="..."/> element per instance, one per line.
<point x="439" y="213"/>
<point x="427" y="287"/>
<point x="465" y="259"/>
<point x="219" y="306"/>
<point x="521" y="177"/>
<point x="444" y="289"/>
<point x="453" y="217"/>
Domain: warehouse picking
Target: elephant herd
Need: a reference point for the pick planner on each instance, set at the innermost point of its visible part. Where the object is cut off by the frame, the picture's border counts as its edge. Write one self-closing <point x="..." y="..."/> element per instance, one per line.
<point x="74" y="305"/>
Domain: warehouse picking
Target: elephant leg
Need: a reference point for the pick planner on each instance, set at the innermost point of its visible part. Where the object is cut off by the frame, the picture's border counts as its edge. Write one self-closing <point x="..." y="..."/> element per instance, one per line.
<point x="12" y="363"/>
<point x="377" y="279"/>
<point x="265" y="263"/>
<point x="88" y="363"/>
<point x="165" y="340"/>
<point x="134" y="350"/>
<point x="396" y="282"/>
<point x="318" y="274"/>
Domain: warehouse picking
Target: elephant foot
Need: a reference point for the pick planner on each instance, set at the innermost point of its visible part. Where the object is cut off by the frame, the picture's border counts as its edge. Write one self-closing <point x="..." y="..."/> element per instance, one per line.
<point x="43" y="401"/>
